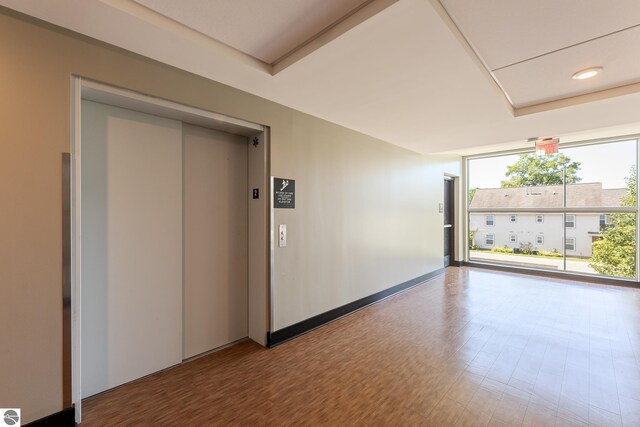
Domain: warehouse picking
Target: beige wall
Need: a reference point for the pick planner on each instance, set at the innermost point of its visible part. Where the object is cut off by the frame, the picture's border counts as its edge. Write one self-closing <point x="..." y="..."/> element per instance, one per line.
<point x="366" y="220"/>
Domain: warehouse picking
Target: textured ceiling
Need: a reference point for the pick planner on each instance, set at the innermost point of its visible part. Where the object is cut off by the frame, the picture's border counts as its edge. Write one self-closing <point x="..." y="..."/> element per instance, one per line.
<point x="404" y="75"/>
<point x="533" y="47"/>
<point x="548" y="77"/>
<point x="266" y="30"/>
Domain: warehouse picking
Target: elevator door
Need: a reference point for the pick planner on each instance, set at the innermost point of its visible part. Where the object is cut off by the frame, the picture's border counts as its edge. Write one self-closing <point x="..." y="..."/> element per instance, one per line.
<point x="131" y="247"/>
<point x="215" y="239"/>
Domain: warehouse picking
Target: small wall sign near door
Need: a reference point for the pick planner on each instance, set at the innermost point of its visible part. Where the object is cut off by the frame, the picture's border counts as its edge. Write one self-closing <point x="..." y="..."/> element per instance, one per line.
<point x="284" y="193"/>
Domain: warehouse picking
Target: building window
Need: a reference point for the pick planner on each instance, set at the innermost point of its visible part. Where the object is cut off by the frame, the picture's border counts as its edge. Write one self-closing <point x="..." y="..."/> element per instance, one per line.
<point x="570" y="221"/>
<point x="513" y="238"/>
<point x="540" y="240"/>
<point x="513" y="218"/>
<point x="488" y="220"/>
<point x="570" y="244"/>
<point x="539" y="219"/>
<point x="605" y="219"/>
<point x="489" y="239"/>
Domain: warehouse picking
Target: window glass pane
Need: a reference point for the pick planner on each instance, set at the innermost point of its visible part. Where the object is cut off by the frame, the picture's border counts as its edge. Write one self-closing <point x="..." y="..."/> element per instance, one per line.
<point x="570" y="244"/>
<point x="519" y="181"/>
<point x="525" y="243"/>
<point x="602" y="175"/>
<point x="489" y="239"/>
<point x="608" y="249"/>
<point x="487" y="173"/>
<point x="570" y="221"/>
<point x="596" y="176"/>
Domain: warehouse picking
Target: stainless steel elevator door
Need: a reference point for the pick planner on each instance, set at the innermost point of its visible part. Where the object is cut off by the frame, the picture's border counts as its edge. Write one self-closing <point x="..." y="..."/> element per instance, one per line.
<point x="215" y="239"/>
<point x="131" y="303"/>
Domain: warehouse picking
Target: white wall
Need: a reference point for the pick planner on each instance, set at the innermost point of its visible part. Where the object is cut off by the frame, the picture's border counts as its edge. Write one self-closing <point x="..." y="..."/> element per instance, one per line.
<point x="585" y="224"/>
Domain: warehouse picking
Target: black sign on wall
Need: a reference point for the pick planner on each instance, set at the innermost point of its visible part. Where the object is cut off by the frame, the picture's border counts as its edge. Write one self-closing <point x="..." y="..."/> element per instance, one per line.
<point x="284" y="193"/>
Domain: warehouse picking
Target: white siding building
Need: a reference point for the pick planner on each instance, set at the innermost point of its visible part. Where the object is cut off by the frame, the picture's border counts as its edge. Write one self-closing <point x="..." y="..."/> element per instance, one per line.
<point x="542" y="231"/>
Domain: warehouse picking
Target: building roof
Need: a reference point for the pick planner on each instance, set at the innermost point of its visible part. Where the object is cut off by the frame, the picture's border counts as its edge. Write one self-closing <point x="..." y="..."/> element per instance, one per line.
<point x="548" y="196"/>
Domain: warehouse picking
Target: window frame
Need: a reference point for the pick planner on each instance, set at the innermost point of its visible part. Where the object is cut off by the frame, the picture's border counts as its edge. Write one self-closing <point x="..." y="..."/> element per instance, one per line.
<point x="564" y="209"/>
<point x="540" y="237"/>
<point x="493" y="220"/>
<point x="573" y="244"/>
<point x="493" y="239"/>
<point x="513" y="238"/>
<point x="566" y="216"/>
<point x="513" y="218"/>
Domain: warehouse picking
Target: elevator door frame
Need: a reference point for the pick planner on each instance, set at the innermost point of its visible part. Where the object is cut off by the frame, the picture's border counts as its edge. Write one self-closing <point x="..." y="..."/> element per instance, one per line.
<point x="259" y="290"/>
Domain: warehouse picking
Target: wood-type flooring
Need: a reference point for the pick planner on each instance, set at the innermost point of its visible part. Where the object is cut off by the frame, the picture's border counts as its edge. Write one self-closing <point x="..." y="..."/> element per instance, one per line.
<point x="472" y="347"/>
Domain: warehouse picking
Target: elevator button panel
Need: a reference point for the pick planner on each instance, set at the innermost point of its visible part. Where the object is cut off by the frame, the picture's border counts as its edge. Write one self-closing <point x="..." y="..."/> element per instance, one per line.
<point x="282" y="236"/>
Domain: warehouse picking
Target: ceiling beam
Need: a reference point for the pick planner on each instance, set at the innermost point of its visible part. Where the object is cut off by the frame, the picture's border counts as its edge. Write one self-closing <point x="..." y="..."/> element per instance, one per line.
<point x="352" y="19"/>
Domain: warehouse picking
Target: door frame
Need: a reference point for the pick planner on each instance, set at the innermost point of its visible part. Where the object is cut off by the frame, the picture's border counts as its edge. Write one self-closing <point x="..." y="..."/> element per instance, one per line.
<point x="259" y="282"/>
<point x="455" y="257"/>
<point x="450" y="183"/>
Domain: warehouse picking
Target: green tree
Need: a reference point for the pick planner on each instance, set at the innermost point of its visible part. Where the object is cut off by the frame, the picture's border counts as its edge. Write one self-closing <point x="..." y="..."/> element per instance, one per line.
<point x="532" y="169"/>
<point x="615" y="253"/>
<point x="472" y="193"/>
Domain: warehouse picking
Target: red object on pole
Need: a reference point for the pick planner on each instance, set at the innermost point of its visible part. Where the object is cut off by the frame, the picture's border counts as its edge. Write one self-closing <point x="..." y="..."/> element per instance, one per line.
<point x="547" y="146"/>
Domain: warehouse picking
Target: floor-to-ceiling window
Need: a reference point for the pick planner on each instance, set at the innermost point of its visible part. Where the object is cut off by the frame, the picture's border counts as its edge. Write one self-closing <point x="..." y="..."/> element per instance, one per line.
<point x="575" y="210"/>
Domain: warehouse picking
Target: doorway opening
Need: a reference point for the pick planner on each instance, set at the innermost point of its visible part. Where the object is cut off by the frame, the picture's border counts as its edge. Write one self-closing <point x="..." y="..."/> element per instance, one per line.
<point x="449" y="221"/>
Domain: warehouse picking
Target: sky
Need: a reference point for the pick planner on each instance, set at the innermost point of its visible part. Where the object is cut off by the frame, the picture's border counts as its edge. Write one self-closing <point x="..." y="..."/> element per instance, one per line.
<point x="607" y="163"/>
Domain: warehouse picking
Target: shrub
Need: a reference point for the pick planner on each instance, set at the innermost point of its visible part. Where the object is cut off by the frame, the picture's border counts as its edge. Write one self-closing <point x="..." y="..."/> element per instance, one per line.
<point x="505" y="250"/>
<point x="526" y="248"/>
<point x="550" y="253"/>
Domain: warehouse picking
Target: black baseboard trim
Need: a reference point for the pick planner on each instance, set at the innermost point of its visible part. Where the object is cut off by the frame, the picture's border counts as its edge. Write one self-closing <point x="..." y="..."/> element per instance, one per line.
<point x="300" y="328"/>
<point x="64" y="418"/>
<point x="456" y="263"/>
<point x="555" y="274"/>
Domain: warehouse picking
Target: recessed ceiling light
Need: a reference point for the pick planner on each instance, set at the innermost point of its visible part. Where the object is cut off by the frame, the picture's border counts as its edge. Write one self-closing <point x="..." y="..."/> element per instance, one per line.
<point x="587" y="74"/>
